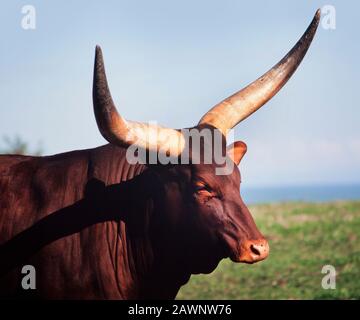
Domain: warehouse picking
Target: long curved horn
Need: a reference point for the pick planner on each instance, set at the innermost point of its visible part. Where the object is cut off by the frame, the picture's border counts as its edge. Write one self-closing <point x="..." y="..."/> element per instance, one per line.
<point x="119" y="131"/>
<point x="228" y="113"/>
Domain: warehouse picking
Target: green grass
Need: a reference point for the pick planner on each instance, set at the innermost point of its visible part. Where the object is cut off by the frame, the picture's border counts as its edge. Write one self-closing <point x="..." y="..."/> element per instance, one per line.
<point x="303" y="238"/>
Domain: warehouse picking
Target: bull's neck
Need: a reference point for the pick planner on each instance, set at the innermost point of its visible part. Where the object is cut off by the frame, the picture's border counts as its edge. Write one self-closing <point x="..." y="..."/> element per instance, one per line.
<point x="135" y="205"/>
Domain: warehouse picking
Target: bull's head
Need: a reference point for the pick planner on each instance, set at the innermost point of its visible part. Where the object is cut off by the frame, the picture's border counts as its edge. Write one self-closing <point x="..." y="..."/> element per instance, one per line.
<point x="203" y="208"/>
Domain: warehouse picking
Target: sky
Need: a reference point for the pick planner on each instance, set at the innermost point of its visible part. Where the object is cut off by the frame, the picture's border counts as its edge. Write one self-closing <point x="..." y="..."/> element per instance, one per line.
<point x="171" y="61"/>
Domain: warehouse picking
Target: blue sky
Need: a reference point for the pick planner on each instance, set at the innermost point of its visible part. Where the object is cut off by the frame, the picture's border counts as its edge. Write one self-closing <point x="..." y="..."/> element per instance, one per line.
<point x="170" y="61"/>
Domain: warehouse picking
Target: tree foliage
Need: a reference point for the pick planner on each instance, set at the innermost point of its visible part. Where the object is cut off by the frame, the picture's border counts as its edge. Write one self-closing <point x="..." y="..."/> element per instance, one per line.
<point x="17" y="145"/>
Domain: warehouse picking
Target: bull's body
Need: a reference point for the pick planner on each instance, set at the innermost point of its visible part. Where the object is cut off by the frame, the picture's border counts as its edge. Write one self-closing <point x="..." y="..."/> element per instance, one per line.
<point x="77" y="251"/>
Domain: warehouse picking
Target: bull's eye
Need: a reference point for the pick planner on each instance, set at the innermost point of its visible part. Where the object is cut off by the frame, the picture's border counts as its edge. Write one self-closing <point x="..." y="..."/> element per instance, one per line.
<point x="204" y="190"/>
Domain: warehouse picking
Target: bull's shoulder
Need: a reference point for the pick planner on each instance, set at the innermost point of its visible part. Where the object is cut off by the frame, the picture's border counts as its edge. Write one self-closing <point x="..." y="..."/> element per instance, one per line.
<point x="39" y="184"/>
<point x="45" y="184"/>
<point x="34" y="187"/>
<point x="50" y="182"/>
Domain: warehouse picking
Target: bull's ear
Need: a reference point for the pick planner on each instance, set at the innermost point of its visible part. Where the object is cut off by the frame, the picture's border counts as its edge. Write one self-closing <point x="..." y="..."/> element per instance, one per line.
<point x="236" y="151"/>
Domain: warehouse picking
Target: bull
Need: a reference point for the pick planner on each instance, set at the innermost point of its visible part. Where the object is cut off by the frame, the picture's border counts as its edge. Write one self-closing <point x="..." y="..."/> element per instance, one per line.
<point x="95" y="225"/>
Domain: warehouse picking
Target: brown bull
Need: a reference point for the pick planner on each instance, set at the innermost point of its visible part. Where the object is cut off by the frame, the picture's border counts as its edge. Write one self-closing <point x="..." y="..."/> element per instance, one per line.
<point x="96" y="226"/>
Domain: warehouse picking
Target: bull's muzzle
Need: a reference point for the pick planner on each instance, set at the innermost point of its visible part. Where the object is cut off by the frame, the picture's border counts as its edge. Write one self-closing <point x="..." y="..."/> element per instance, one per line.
<point x="252" y="251"/>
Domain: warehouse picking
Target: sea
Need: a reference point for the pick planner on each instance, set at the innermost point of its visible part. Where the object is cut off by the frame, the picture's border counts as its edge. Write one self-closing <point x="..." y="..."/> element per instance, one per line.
<point x="255" y="195"/>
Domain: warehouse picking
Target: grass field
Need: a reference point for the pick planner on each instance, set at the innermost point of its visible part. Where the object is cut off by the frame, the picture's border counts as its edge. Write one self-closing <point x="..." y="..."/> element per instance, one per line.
<point x="303" y="238"/>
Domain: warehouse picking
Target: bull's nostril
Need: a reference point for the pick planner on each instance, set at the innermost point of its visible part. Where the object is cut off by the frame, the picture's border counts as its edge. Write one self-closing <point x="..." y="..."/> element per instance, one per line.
<point x="255" y="250"/>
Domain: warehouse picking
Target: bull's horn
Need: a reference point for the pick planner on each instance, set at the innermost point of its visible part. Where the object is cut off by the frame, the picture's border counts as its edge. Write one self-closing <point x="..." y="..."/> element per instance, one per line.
<point x="240" y="105"/>
<point x="119" y="131"/>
